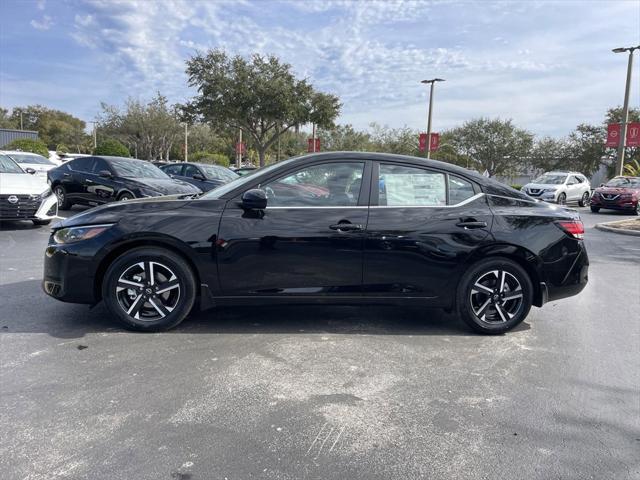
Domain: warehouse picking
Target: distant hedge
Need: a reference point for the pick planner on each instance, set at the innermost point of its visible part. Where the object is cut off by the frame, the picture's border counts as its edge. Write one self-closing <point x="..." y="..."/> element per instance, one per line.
<point x="208" y="157"/>
<point x="29" y="145"/>
<point x="517" y="187"/>
<point x="112" y="148"/>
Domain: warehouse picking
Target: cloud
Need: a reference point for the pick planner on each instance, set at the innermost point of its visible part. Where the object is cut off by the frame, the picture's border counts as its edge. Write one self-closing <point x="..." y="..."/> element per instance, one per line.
<point x="548" y="68"/>
<point x="44" y="24"/>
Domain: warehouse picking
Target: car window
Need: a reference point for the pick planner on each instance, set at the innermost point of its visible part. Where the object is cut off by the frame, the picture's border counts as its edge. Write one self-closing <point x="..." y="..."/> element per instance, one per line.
<point x="215" y="172"/>
<point x="131" y="168"/>
<point x="329" y="184"/>
<point x="573" y="180"/>
<point x="550" y="179"/>
<point x="410" y="186"/>
<point x="99" y="165"/>
<point x="9" y="166"/>
<point x="190" y="171"/>
<point x="459" y="190"/>
<point x="82" y="164"/>
<point x="32" y="159"/>
<point x="172" y="169"/>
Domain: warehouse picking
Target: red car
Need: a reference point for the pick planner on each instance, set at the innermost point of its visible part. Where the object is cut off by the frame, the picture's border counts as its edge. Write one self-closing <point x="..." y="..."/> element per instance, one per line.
<point x="619" y="193"/>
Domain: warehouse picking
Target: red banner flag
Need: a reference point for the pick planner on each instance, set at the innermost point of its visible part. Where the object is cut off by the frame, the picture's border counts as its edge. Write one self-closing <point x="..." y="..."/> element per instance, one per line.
<point x="422" y="142"/>
<point x="241" y="148"/>
<point x="310" y="145"/>
<point x="633" y="135"/>
<point x="613" y="135"/>
<point x="435" y="142"/>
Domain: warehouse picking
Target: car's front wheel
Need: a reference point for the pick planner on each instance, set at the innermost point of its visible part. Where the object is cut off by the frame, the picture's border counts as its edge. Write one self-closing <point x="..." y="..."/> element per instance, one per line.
<point x="584" y="201"/>
<point x="126" y="196"/>
<point x="595" y="209"/>
<point x="562" y="199"/>
<point x="149" y="289"/>
<point x="494" y="296"/>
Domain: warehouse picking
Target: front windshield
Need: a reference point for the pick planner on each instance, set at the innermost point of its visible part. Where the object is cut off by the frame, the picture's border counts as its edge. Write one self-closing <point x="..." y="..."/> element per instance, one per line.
<point x="9" y="166"/>
<point x="125" y="167"/>
<point x="238" y="182"/>
<point x="550" y="179"/>
<point x="213" y="172"/>
<point x="33" y="159"/>
<point x="622" y="182"/>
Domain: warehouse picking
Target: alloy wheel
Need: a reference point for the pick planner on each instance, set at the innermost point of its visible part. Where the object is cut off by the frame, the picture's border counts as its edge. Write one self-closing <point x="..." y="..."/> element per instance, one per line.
<point x="148" y="291"/>
<point x="496" y="297"/>
<point x="60" y="196"/>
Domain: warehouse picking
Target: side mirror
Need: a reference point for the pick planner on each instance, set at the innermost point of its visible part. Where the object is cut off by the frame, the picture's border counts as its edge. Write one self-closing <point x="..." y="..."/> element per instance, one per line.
<point x="198" y="176"/>
<point x="254" y="199"/>
<point x="105" y="174"/>
<point x="30" y="171"/>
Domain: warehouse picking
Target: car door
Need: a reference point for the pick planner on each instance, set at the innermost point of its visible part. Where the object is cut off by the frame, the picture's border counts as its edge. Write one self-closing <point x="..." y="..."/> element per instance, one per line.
<point x="307" y="242"/>
<point x="100" y="189"/>
<point x="423" y="225"/>
<point x="189" y="172"/>
<point x="75" y="182"/>
<point x="573" y="188"/>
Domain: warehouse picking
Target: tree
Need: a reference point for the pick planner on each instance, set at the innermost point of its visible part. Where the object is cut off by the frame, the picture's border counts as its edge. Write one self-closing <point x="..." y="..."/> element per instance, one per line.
<point x="550" y="154"/>
<point x="53" y="126"/>
<point x="150" y="129"/>
<point x="402" y="141"/>
<point x="494" y="145"/>
<point x="29" y="145"/>
<point x="209" y="157"/>
<point x="112" y="148"/>
<point x="6" y="121"/>
<point x="260" y="95"/>
<point x="344" y="138"/>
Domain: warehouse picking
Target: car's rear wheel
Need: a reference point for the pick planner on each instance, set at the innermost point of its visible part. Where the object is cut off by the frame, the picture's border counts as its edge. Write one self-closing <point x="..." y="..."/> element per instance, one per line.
<point x="494" y="296"/>
<point x="584" y="201"/>
<point x="562" y="199"/>
<point x="126" y="196"/>
<point x="595" y="209"/>
<point x="149" y="289"/>
<point x="61" y="195"/>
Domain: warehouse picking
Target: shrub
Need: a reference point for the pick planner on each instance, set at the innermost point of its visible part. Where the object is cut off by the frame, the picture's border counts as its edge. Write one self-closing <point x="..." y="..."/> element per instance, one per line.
<point x="517" y="187"/>
<point x="61" y="149"/>
<point x="112" y="148"/>
<point x="208" y="157"/>
<point x="29" y="145"/>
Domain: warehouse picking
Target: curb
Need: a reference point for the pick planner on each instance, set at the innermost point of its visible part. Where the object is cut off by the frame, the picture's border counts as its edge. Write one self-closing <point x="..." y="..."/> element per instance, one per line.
<point x="605" y="228"/>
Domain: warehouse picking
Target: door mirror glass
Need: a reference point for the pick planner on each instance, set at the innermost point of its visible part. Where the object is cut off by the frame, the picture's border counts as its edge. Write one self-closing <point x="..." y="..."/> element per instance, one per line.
<point x="30" y="170"/>
<point x="105" y="174"/>
<point x="198" y="176"/>
<point x="254" y="199"/>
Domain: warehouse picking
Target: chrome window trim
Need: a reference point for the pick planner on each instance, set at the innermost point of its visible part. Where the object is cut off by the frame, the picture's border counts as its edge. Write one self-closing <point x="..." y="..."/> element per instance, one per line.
<point x="316" y="208"/>
<point x="464" y="202"/>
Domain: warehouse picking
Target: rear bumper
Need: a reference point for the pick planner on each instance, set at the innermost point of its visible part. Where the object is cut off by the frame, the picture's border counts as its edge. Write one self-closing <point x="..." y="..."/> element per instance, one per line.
<point x="574" y="281"/>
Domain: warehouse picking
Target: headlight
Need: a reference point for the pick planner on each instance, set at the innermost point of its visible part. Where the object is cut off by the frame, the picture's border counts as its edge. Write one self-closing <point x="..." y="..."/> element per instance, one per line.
<point x="549" y="190"/>
<point x="42" y="195"/>
<point x="77" y="234"/>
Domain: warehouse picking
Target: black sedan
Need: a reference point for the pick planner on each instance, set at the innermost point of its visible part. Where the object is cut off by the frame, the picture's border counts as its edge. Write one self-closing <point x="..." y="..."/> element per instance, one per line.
<point x="337" y="227"/>
<point x="97" y="180"/>
<point x="204" y="176"/>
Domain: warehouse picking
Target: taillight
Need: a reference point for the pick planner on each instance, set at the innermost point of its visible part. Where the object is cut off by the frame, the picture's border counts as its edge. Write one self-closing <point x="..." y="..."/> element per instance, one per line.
<point x="573" y="228"/>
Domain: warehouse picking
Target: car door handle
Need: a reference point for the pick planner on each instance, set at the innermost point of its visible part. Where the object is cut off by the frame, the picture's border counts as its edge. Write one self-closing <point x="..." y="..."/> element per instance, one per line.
<point x="471" y="224"/>
<point x="88" y="180"/>
<point x="66" y="174"/>
<point x="346" y="227"/>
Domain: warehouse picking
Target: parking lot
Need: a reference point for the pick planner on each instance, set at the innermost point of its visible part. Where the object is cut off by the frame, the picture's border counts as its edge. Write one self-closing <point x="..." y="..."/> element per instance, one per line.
<point x="321" y="392"/>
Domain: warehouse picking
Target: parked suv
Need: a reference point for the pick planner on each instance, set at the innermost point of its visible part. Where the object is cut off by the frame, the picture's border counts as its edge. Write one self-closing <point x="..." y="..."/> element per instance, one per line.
<point x="620" y="193"/>
<point x="560" y="187"/>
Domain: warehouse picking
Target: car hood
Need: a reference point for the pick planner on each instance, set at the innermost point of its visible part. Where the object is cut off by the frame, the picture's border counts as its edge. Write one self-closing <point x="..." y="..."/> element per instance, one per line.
<point x="21" y="184"/>
<point x="167" y="186"/>
<point x="540" y="186"/>
<point x="113" y="212"/>
<point x="617" y="190"/>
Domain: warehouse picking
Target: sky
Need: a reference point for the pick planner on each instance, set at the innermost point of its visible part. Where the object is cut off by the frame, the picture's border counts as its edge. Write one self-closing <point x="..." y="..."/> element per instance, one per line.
<point x="546" y="64"/>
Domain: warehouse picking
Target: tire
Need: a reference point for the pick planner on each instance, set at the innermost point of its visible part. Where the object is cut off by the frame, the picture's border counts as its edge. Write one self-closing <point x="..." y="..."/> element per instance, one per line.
<point x="61" y="195"/>
<point x="562" y="199"/>
<point x="595" y="209"/>
<point x="41" y="222"/>
<point x="125" y="196"/>
<point x="476" y="306"/>
<point x="142" y="305"/>
<point x="584" y="201"/>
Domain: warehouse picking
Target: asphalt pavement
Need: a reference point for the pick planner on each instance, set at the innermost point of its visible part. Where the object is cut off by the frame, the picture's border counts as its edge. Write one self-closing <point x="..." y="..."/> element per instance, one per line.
<point x="321" y="392"/>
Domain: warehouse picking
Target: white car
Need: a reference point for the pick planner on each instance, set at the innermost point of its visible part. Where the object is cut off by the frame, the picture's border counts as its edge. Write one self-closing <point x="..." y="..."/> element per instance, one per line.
<point x="24" y="196"/>
<point x="27" y="160"/>
<point x="560" y="187"/>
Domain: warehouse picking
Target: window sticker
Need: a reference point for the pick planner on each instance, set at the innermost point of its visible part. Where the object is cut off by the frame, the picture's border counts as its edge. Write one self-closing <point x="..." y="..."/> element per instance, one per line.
<point x="415" y="189"/>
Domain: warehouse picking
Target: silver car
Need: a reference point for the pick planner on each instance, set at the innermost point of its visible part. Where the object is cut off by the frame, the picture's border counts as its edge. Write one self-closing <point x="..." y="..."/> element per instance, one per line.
<point x="560" y="187"/>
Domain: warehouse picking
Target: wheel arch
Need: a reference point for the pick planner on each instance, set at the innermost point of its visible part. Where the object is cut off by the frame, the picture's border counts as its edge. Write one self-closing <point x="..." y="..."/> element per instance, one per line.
<point x="522" y="256"/>
<point x="123" y="191"/>
<point x="121" y="248"/>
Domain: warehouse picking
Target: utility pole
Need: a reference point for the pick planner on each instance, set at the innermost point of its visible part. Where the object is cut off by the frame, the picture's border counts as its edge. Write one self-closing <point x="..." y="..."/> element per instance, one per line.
<point x="21" y="127"/>
<point x="625" y="109"/>
<point x="239" y="150"/>
<point x="95" y="135"/>
<point x="313" y="148"/>
<point x="432" y="83"/>
<point x="186" y="143"/>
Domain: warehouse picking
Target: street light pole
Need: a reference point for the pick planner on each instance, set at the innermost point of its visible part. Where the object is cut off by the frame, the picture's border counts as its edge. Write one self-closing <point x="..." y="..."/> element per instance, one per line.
<point x="432" y="83"/>
<point x="625" y="109"/>
<point x="186" y="143"/>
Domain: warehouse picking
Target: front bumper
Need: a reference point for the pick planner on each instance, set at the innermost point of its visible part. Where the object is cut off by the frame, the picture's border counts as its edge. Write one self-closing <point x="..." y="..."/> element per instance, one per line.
<point x="26" y="209"/>
<point x="68" y="274"/>
<point x="597" y="201"/>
